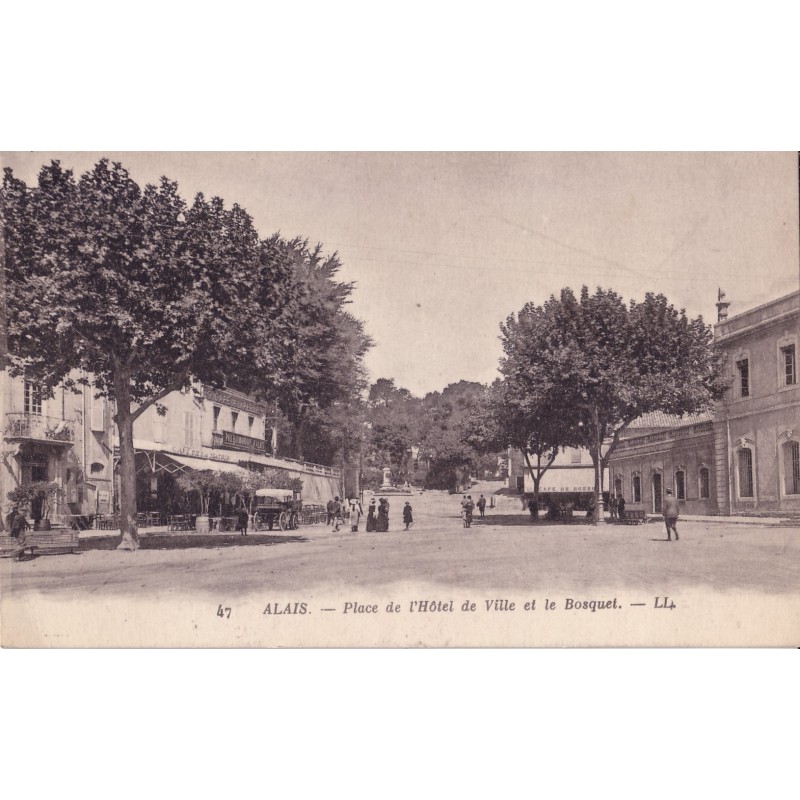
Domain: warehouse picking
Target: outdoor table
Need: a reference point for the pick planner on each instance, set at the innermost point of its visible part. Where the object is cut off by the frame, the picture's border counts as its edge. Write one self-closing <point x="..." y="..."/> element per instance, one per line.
<point x="80" y="522"/>
<point x="178" y="522"/>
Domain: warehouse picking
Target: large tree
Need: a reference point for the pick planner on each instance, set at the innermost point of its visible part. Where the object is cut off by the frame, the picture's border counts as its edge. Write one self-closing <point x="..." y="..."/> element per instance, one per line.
<point x="601" y="364"/>
<point x="322" y="367"/>
<point x="394" y="417"/>
<point x="509" y="416"/>
<point x="141" y="292"/>
<point x="444" y="434"/>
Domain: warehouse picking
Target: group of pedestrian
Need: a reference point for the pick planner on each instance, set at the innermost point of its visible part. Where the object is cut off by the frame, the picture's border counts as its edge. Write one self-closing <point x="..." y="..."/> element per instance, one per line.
<point x="378" y="516"/>
<point x="468" y="508"/>
<point x="616" y="506"/>
<point x="334" y="512"/>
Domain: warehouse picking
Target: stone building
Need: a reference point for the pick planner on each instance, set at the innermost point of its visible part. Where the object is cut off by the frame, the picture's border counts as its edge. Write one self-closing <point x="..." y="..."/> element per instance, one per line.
<point x="71" y="439"/>
<point x="662" y="452"/>
<point x="757" y="424"/>
<point x="743" y="456"/>
<point x="212" y="429"/>
<point x="64" y="439"/>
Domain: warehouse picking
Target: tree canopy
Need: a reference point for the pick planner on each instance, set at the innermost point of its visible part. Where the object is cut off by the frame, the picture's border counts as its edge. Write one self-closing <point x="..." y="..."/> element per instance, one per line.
<point x="140" y="292"/>
<point x="601" y="364"/>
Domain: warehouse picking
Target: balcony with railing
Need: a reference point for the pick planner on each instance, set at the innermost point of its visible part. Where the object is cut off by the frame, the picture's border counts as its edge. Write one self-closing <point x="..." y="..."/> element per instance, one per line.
<point x="21" y="427"/>
<point x="228" y="440"/>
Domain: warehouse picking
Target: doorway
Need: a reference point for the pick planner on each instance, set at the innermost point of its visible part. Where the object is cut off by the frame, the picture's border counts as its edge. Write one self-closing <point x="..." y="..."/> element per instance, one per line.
<point x="657" y="492"/>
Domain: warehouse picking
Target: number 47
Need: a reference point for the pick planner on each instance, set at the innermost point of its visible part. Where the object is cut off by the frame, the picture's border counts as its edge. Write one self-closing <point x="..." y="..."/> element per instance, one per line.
<point x="224" y="612"/>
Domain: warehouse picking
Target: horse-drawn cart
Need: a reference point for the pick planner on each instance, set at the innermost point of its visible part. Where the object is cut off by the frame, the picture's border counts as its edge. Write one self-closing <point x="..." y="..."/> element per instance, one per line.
<point x="277" y="508"/>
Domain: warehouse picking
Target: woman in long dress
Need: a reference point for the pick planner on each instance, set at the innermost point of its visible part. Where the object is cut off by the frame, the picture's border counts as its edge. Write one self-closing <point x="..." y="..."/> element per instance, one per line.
<point x="383" y="516"/>
<point x="371" y="517"/>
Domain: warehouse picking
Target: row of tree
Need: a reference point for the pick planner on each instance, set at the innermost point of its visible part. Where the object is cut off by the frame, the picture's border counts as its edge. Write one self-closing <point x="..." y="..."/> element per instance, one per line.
<point x="142" y="293"/>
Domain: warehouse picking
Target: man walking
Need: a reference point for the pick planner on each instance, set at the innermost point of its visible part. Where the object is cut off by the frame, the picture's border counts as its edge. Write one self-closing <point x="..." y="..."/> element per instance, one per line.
<point x="481" y="505"/>
<point x="355" y="514"/>
<point x="336" y="513"/>
<point x="671" y="515"/>
<point x="329" y="509"/>
<point x="17" y="524"/>
<point x="241" y="521"/>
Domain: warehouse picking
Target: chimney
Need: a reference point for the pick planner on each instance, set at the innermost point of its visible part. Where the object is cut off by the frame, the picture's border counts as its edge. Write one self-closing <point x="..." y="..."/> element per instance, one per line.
<point x="722" y="306"/>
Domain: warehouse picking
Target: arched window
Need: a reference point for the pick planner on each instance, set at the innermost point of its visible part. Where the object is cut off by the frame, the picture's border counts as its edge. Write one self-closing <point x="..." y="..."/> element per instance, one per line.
<point x="791" y="467"/>
<point x="745" y="472"/>
<point x="636" y="486"/>
<point x="658" y="490"/>
<point x="680" y="484"/>
<point x="704" y="483"/>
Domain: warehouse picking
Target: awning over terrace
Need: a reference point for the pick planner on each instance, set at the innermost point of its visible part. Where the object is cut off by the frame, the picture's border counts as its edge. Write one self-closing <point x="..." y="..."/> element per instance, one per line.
<point x="206" y="463"/>
<point x="159" y="461"/>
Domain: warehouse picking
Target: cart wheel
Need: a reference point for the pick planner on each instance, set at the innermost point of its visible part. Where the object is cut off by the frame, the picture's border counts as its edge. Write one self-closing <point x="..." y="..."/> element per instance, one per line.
<point x="283" y="520"/>
<point x="294" y="523"/>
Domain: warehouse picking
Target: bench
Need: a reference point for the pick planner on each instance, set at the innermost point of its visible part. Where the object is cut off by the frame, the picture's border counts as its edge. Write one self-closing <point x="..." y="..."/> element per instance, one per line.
<point x="636" y="516"/>
<point x="53" y="541"/>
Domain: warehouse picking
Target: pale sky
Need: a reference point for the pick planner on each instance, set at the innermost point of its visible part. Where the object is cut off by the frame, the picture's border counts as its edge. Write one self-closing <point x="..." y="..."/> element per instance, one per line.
<point x="443" y="246"/>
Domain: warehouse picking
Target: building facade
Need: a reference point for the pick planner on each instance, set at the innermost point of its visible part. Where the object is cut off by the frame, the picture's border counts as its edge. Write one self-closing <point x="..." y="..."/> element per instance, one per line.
<point x="71" y="439"/>
<point x="568" y="481"/>
<point x="757" y="424"/>
<point x="212" y="429"/>
<point x="661" y="452"/>
<point x="65" y="439"/>
<point x="742" y="457"/>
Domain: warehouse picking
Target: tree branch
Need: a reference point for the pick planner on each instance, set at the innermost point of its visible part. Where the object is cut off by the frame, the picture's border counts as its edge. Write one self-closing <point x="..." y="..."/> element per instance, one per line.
<point x="170" y="387"/>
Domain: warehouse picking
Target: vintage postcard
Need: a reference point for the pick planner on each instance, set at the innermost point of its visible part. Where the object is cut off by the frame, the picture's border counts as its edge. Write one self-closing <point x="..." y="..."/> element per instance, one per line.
<point x="399" y="399"/>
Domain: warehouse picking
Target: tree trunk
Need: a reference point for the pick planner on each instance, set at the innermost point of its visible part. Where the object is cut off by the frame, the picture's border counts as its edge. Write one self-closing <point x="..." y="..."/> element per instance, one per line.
<point x="298" y="431"/>
<point x="597" y="460"/>
<point x="536" y="478"/>
<point x="127" y="465"/>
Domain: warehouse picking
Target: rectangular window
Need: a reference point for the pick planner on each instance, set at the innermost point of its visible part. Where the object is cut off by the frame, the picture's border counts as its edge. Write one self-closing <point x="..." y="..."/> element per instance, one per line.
<point x="33" y="398"/>
<point x="215" y="411"/>
<point x="705" y="491"/>
<point x="159" y="428"/>
<point x="520" y="483"/>
<point x="188" y="429"/>
<point x="575" y="457"/>
<point x="791" y="467"/>
<point x="744" y="377"/>
<point x="745" y="473"/>
<point x="636" y="485"/>
<point x="234" y="418"/>
<point x="680" y="485"/>
<point x="789" y="365"/>
<point x="250" y="421"/>
<point x="98" y="413"/>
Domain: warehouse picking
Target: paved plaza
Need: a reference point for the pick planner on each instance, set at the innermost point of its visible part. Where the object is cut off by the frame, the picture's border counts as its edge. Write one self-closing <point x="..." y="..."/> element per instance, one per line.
<point x="503" y="552"/>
